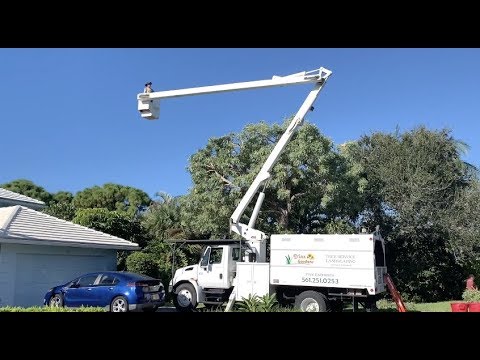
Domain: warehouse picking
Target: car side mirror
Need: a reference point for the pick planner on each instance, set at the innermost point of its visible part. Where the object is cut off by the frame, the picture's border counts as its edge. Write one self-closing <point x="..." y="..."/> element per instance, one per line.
<point x="74" y="286"/>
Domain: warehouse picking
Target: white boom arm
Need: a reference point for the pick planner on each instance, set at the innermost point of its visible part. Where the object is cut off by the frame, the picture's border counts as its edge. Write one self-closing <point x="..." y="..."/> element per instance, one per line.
<point x="148" y="105"/>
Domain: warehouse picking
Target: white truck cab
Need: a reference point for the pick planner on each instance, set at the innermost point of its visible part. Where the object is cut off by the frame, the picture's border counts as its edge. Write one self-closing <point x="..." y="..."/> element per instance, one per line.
<point x="211" y="280"/>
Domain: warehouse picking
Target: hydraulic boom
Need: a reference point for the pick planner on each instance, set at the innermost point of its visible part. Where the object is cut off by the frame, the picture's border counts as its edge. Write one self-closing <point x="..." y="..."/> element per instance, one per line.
<point x="149" y="108"/>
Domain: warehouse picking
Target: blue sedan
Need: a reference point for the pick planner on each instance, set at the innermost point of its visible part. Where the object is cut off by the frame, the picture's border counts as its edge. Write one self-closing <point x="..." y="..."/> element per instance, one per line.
<point x="116" y="291"/>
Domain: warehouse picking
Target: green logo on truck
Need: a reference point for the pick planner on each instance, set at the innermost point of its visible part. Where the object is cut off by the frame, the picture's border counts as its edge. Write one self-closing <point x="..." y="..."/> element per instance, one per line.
<point x="301" y="259"/>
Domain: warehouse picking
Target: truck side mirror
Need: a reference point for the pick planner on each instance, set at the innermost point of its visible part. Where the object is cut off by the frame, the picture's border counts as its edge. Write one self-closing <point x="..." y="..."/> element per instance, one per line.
<point x="252" y="257"/>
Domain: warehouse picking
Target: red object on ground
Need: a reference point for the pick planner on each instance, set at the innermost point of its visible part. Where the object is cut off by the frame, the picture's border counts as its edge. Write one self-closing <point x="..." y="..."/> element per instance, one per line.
<point x="395" y="294"/>
<point x="459" y="307"/>
<point x="474" y="307"/>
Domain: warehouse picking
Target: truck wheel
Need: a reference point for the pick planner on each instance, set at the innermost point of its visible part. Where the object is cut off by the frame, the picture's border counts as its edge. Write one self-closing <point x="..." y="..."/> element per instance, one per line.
<point x="311" y="301"/>
<point x="185" y="297"/>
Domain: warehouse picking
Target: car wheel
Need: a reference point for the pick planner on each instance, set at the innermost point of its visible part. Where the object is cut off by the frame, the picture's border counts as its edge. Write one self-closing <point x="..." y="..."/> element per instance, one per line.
<point x="119" y="304"/>
<point x="56" y="300"/>
<point x="185" y="297"/>
<point x="311" y="301"/>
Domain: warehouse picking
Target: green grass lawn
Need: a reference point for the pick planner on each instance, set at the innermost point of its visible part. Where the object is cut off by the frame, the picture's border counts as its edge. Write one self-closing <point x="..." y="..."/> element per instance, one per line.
<point x="443" y="306"/>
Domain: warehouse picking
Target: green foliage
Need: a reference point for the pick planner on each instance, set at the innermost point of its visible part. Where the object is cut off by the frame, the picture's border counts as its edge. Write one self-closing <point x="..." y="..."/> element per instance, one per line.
<point x="112" y="197"/>
<point x="411" y="181"/>
<point x="389" y="305"/>
<point x="62" y="197"/>
<point x="61" y="210"/>
<point x="168" y="257"/>
<point x="310" y="184"/>
<point x="461" y="222"/>
<point x="255" y="303"/>
<point x="162" y="218"/>
<point x="162" y="221"/>
<point x="115" y="223"/>
<point x="142" y="263"/>
<point x="339" y="226"/>
<point x="51" y="309"/>
<point x="28" y="188"/>
<point x="471" y="295"/>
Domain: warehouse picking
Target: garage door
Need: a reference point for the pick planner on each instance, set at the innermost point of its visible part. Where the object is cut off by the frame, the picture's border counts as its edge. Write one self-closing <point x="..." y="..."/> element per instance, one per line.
<point x="36" y="273"/>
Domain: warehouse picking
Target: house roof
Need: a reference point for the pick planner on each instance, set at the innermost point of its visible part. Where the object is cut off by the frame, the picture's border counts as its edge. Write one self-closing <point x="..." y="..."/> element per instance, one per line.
<point x="21" y="225"/>
<point x="10" y="198"/>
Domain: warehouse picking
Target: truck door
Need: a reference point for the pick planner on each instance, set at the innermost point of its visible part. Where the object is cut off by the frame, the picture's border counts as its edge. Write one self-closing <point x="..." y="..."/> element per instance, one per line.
<point x="212" y="272"/>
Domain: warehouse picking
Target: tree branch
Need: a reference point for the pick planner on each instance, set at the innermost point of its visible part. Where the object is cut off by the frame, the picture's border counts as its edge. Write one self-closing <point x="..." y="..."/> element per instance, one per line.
<point x="211" y="169"/>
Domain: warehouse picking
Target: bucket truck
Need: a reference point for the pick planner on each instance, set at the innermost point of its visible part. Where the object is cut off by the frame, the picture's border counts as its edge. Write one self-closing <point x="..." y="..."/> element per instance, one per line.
<point x="312" y="271"/>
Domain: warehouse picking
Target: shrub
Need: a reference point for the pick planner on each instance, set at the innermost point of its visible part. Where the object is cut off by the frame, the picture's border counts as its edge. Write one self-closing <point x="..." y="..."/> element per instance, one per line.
<point x="471" y="295"/>
<point x="265" y="303"/>
<point x="142" y="263"/>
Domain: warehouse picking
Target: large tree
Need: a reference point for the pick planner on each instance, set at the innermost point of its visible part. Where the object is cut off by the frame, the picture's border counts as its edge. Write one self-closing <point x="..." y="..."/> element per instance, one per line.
<point x="28" y="188"/>
<point x="310" y="187"/>
<point x="113" y="197"/>
<point x="412" y="181"/>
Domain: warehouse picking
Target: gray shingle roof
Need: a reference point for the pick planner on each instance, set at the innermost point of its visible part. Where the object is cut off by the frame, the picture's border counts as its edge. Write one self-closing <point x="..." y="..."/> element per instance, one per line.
<point x="21" y="225"/>
<point x="12" y="198"/>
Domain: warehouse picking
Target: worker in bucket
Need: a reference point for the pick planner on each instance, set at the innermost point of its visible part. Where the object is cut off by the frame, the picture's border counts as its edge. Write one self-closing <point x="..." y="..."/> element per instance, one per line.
<point x="148" y="88"/>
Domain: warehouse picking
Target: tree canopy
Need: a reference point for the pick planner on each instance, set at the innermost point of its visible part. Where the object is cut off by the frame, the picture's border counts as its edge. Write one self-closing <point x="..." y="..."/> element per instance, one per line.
<point x="413" y="181"/>
<point x="310" y="184"/>
<point x="113" y="197"/>
<point x="28" y="188"/>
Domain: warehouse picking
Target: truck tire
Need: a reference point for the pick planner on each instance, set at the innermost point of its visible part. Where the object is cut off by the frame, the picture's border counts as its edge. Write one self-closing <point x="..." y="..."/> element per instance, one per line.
<point x="311" y="301"/>
<point x="185" y="298"/>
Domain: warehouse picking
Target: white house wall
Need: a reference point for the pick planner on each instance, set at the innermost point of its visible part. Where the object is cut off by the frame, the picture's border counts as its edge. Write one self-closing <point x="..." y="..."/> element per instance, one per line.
<point x="28" y="271"/>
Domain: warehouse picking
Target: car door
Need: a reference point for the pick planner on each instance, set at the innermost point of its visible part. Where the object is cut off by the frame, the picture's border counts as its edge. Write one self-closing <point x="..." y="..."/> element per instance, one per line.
<point x="82" y="292"/>
<point x="106" y="289"/>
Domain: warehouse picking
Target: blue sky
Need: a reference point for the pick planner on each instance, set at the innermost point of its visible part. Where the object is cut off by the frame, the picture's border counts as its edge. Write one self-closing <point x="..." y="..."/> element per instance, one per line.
<point x="69" y="117"/>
